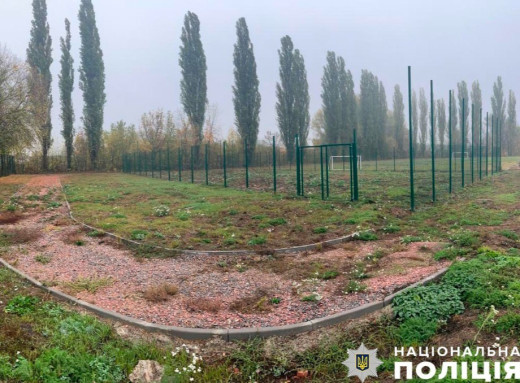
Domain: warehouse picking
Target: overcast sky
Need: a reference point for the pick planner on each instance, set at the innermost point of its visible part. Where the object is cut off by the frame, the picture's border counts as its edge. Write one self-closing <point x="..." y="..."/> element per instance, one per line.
<point x="446" y="41"/>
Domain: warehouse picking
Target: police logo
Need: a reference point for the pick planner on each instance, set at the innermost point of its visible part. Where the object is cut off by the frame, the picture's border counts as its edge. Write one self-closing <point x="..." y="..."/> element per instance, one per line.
<point x="362" y="362"/>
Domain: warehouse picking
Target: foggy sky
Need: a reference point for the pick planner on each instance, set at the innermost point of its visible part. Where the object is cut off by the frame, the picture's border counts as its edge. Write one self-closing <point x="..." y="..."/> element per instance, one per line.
<point x="447" y="41"/>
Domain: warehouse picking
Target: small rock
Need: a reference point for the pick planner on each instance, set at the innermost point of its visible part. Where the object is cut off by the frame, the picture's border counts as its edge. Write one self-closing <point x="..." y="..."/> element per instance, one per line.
<point x="122" y="331"/>
<point x="147" y="371"/>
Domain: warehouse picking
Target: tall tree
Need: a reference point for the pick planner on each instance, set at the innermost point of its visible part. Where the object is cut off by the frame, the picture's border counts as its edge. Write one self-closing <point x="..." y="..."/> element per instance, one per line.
<point x="66" y="87"/>
<point x="476" y="101"/>
<point x="423" y="121"/>
<point x="92" y="80"/>
<point x="192" y="61"/>
<point x="373" y="113"/>
<point x="301" y="97"/>
<point x="511" y="128"/>
<point x="441" y="123"/>
<point x="39" y="58"/>
<point x="246" y="97"/>
<point x="498" y="105"/>
<point x="415" y="122"/>
<point x="331" y="99"/>
<point x="399" y="121"/>
<point x="347" y="102"/>
<point x="292" y="94"/>
<point x="463" y="94"/>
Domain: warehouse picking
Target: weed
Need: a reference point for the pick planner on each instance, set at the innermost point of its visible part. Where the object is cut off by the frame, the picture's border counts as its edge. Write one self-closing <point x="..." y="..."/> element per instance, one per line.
<point x="53" y="205"/>
<point x="328" y="274"/>
<point x="92" y="285"/>
<point x="410" y="238"/>
<point x="416" y="331"/>
<point x="161" y="211"/>
<point x="277" y="222"/>
<point x="366" y="236"/>
<point x="314" y="297"/>
<point x="139" y="235"/>
<point x="391" y="228"/>
<point x="320" y="230"/>
<point x="275" y="300"/>
<point x="95" y="233"/>
<point x="354" y="287"/>
<point x="509" y="234"/>
<point x="258" y="240"/>
<point x="43" y="259"/>
<point x="432" y="303"/>
<point x="21" y="305"/>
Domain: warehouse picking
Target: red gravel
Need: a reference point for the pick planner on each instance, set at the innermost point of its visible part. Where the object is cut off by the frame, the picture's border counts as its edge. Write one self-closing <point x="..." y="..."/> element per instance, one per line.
<point x="199" y="276"/>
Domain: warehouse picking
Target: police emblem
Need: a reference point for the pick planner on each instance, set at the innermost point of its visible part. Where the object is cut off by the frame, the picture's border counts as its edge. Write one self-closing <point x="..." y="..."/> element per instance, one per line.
<point x="362" y="362"/>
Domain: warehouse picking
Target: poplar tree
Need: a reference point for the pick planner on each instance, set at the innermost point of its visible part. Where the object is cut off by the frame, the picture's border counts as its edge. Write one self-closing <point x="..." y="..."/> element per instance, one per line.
<point x="476" y="100"/>
<point x="498" y="104"/>
<point x="511" y="128"/>
<point x="246" y="97"/>
<point x="66" y="85"/>
<point x="192" y="61"/>
<point x="292" y="94"/>
<point x="347" y="102"/>
<point x="91" y="80"/>
<point x="463" y="94"/>
<point x="373" y="114"/>
<point x="331" y="99"/>
<point x="39" y="58"/>
<point x="399" y="120"/>
<point x="441" y="123"/>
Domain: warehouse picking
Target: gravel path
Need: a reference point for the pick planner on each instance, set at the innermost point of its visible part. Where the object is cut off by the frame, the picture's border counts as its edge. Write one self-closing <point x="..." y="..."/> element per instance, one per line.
<point x="224" y="291"/>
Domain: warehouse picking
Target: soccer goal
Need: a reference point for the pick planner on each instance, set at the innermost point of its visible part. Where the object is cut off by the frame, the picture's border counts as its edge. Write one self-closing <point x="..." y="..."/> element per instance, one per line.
<point x="341" y="162"/>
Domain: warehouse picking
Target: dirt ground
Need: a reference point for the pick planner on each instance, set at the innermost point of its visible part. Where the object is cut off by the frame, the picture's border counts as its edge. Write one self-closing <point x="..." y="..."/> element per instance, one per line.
<point x="202" y="291"/>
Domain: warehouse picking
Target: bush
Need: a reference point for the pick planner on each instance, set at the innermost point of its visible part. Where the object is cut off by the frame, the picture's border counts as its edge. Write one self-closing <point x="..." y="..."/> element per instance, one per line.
<point x="366" y="236"/>
<point x="466" y="238"/>
<point x="21" y="305"/>
<point x="416" y="331"/>
<point x="463" y="276"/>
<point x="432" y="303"/>
<point x="508" y="324"/>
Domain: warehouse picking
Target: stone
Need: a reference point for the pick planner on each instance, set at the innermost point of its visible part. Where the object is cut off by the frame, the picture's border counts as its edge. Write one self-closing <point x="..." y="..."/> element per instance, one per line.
<point x="147" y="371"/>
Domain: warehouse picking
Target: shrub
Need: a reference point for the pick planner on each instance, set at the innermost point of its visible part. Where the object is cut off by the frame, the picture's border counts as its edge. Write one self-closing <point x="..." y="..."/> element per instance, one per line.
<point x="320" y="230"/>
<point x="508" y="324"/>
<point x="204" y="304"/>
<point x="138" y="235"/>
<point x="466" y="238"/>
<point x="432" y="303"/>
<point x="416" y="331"/>
<point x="355" y="287"/>
<point x="21" y="305"/>
<point x="258" y="240"/>
<point x="366" y="236"/>
<point x="161" y="211"/>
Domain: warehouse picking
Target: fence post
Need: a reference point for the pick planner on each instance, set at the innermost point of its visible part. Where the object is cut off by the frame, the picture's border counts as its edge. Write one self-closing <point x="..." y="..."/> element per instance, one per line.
<point x="246" y="157"/>
<point x="487" y="142"/>
<point x="480" y="147"/>
<point x="224" y="163"/>
<point x="153" y="162"/>
<point x="179" y="163"/>
<point x="160" y="164"/>
<point x="169" y="168"/>
<point x="463" y="128"/>
<point x="355" y="166"/>
<point x="432" y="139"/>
<point x="321" y="170"/>
<point x="499" y="146"/>
<point x="300" y="149"/>
<point x="492" y="144"/>
<point x="410" y="138"/>
<point x="327" y="169"/>
<point x="206" y="162"/>
<point x="274" y="164"/>
<point x="297" y="153"/>
<point x="450" y="146"/>
<point x="472" y="142"/>
<point x="191" y="164"/>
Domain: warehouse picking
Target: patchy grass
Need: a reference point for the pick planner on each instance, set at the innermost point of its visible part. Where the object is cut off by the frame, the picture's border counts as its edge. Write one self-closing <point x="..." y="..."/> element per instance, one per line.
<point x="91" y="285"/>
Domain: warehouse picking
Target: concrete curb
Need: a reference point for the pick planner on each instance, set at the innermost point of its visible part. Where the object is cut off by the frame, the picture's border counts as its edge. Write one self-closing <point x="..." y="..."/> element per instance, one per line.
<point x="285" y="250"/>
<point x="228" y="334"/>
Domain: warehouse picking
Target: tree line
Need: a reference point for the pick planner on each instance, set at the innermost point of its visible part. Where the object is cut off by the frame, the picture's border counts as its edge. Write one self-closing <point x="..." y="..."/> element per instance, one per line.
<point x="25" y="116"/>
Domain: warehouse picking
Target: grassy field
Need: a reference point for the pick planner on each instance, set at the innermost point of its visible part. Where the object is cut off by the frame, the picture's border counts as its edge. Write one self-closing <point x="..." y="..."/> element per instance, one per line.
<point x="193" y="216"/>
<point x="479" y="296"/>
